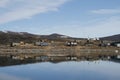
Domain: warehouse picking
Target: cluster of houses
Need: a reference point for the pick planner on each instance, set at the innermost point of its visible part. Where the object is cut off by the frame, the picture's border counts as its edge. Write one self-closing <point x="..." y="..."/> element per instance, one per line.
<point x="39" y="43"/>
<point x="89" y="42"/>
<point x="100" y="43"/>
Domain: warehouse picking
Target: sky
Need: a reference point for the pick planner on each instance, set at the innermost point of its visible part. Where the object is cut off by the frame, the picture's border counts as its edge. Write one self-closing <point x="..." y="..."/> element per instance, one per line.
<point x="76" y="18"/>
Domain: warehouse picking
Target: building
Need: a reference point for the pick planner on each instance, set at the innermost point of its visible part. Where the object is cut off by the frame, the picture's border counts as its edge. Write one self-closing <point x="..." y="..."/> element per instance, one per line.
<point x="17" y="44"/>
<point x="14" y="44"/>
<point x="41" y="44"/>
<point x="71" y="43"/>
<point x="116" y="44"/>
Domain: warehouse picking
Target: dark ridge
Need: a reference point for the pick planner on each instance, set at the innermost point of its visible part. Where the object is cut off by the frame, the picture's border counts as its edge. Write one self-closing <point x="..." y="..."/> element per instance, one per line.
<point x="9" y="36"/>
<point x="112" y="38"/>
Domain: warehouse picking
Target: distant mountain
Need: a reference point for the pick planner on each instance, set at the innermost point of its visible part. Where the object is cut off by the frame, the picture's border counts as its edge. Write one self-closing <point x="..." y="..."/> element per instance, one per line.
<point x="54" y="36"/>
<point x="112" y="38"/>
<point x="9" y="36"/>
<point x="59" y="36"/>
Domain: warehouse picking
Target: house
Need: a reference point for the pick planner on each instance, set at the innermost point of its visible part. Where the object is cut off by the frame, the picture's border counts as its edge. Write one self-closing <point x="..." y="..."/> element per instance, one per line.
<point x="41" y="44"/>
<point x="71" y="43"/>
<point x="105" y="43"/>
<point x="102" y="45"/>
<point x="14" y="44"/>
<point x="116" y="44"/>
<point x="17" y="44"/>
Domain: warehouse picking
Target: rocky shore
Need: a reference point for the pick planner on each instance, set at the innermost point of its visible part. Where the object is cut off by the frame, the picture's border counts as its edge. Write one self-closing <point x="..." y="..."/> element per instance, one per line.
<point x="58" y="51"/>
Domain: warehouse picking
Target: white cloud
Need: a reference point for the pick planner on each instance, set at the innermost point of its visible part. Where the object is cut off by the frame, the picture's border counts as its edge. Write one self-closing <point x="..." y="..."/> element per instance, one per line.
<point x="106" y="11"/>
<point x="3" y="3"/>
<point x="93" y="28"/>
<point x="107" y="27"/>
<point x="24" y="9"/>
<point x="10" y="77"/>
<point x="98" y="28"/>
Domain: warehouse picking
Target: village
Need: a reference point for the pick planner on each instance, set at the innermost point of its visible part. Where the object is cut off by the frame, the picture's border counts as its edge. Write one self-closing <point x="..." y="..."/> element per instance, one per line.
<point x="60" y="48"/>
<point x="91" y="42"/>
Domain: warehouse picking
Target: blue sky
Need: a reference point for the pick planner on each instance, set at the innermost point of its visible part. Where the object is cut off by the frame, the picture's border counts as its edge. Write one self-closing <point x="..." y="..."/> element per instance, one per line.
<point x="77" y="18"/>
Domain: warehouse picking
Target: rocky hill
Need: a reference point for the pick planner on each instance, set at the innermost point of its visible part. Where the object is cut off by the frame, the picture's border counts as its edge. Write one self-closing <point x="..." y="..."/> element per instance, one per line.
<point x="9" y="36"/>
<point x="112" y="38"/>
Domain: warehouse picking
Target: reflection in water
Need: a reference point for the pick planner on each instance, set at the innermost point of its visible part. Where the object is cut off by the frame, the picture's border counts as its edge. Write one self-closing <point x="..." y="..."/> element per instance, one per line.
<point x="67" y="68"/>
<point x="70" y="70"/>
<point x="8" y="61"/>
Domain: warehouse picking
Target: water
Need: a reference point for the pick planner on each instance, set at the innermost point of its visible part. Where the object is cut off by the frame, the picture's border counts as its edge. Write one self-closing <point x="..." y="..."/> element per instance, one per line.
<point x="66" y="70"/>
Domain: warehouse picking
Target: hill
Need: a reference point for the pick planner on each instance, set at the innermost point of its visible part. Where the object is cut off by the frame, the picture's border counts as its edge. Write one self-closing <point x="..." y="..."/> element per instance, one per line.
<point x="9" y="36"/>
<point x="111" y="38"/>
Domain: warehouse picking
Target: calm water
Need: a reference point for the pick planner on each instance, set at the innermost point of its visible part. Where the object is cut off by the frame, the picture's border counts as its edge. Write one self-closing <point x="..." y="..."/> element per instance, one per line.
<point x="69" y="70"/>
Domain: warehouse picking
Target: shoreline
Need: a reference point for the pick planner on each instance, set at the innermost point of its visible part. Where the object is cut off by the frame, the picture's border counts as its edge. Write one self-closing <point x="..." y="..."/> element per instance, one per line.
<point x="21" y="54"/>
<point x="58" y="51"/>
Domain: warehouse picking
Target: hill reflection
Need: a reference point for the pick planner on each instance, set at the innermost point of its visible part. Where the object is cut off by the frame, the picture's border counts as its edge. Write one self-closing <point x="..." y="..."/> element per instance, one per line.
<point x="8" y="61"/>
